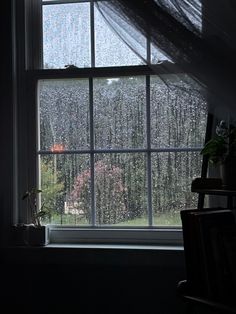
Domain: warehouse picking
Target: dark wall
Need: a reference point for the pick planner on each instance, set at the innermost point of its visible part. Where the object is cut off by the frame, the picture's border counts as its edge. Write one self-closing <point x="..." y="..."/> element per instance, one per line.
<point x="93" y="280"/>
<point x="6" y="121"/>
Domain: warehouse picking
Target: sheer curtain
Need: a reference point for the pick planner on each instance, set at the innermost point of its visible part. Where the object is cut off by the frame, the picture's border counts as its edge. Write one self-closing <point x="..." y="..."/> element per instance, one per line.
<point x="196" y="37"/>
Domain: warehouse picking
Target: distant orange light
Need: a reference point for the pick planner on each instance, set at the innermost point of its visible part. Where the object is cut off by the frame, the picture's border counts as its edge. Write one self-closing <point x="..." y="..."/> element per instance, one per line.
<point x="57" y="148"/>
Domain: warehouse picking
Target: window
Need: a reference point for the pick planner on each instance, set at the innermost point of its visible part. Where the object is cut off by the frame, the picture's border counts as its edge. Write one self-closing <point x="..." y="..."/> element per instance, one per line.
<point x="116" y="148"/>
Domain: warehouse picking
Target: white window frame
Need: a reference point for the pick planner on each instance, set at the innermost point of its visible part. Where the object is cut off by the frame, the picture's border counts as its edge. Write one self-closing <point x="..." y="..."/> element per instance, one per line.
<point x="28" y="73"/>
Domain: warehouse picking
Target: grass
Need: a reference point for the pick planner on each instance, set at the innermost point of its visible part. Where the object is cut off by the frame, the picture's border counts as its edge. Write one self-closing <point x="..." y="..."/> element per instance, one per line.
<point x="160" y="219"/>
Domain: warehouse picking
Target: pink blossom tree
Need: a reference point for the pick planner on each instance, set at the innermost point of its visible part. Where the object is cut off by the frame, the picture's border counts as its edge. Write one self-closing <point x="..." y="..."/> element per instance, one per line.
<point x="109" y="191"/>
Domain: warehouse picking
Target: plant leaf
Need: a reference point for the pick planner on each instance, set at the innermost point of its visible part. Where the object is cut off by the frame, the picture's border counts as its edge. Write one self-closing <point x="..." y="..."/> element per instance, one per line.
<point x="27" y="194"/>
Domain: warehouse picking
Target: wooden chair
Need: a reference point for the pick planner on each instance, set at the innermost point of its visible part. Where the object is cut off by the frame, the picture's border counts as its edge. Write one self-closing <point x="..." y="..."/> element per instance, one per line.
<point x="210" y="257"/>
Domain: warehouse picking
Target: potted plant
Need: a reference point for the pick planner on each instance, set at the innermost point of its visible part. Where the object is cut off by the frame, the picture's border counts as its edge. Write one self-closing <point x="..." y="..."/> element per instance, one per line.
<point x="221" y="150"/>
<point x="37" y="232"/>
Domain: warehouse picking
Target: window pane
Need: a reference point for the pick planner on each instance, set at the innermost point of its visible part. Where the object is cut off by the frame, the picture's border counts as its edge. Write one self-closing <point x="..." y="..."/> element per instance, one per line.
<point x="64" y="114"/>
<point x="178" y="113"/>
<point x="157" y="55"/>
<point x="66" y="35"/>
<point x="172" y="174"/>
<point x="110" y="50"/>
<point x="121" y="189"/>
<point x="65" y="183"/>
<point x="120" y="112"/>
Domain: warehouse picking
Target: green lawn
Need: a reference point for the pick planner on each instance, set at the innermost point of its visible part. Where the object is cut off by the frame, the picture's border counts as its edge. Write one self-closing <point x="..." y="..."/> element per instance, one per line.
<point x="162" y="219"/>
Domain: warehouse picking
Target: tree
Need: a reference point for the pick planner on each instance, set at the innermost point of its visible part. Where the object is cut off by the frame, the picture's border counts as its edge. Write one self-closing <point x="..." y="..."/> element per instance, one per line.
<point x="109" y="189"/>
<point x="51" y="185"/>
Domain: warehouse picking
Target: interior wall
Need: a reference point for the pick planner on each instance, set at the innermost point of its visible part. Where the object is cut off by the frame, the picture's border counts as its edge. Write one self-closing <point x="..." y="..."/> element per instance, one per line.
<point x="92" y="281"/>
<point x="6" y="122"/>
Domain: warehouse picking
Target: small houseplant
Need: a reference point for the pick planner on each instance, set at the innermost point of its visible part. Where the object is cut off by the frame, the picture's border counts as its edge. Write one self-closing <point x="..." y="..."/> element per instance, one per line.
<point x="221" y="150"/>
<point x="37" y="232"/>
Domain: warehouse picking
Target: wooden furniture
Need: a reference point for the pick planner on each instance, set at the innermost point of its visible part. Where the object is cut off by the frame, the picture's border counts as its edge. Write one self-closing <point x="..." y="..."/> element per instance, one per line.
<point x="209" y="236"/>
<point x="198" y="304"/>
<point x="195" y="299"/>
<point x="212" y="186"/>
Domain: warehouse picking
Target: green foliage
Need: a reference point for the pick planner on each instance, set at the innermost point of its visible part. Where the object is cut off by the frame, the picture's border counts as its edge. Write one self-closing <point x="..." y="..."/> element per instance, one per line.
<point x="36" y="214"/>
<point x="51" y="190"/>
<point x="222" y="146"/>
<point x="49" y="193"/>
<point x="215" y="149"/>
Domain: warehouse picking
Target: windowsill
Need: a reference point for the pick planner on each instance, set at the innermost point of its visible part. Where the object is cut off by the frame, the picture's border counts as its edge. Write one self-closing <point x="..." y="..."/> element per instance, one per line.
<point x="117" y="246"/>
<point x="141" y="237"/>
<point x="97" y="255"/>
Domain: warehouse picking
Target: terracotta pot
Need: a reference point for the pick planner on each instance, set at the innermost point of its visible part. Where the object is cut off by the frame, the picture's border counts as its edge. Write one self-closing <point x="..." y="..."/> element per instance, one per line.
<point x="228" y="173"/>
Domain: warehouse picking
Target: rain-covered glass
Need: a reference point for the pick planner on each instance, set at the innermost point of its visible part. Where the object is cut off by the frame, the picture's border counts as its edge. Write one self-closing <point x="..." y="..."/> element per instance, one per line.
<point x="66" y="35"/>
<point x="172" y="175"/>
<point x="64" y="114"/>
<point x="120" y="112"/>
<point x="157" y="56"/>
<point x="66" y="188"/>
<point x="110" y="50"/>
<point x="121" y="189"/>
<point x="178" y="113"/>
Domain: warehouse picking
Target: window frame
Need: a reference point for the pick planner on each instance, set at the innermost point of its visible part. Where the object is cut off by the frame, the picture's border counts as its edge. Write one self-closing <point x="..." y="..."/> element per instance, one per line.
<point x="28" y="74"/>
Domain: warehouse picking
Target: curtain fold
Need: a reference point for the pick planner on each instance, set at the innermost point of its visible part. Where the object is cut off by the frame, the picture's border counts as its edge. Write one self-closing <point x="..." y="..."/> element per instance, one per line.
<point x="197" y="36"/>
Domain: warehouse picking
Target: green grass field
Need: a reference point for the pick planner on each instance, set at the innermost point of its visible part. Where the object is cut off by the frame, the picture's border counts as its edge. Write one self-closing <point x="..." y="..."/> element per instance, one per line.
<point x="162" y="219"/>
